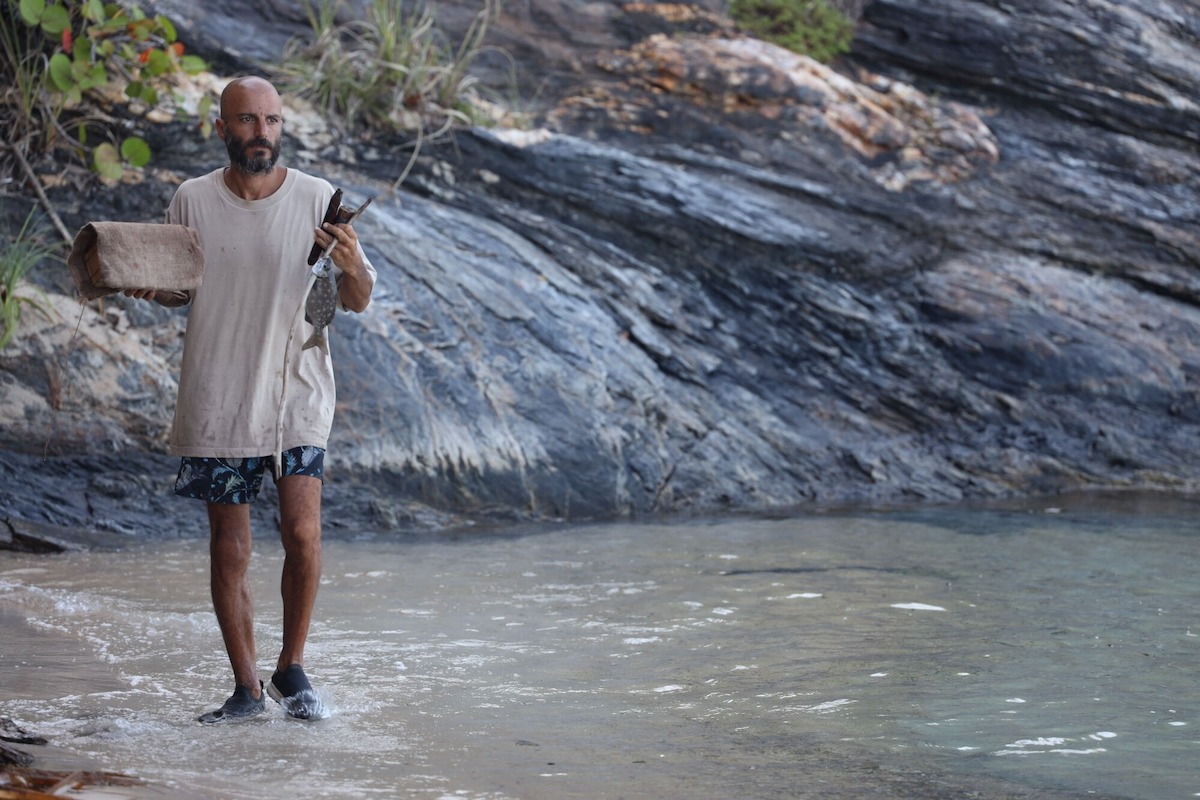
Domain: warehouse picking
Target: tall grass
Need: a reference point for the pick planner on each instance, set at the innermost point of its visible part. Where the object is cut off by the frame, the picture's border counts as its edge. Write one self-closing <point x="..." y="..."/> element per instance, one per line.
<point x="24" y="71"/>
<point x="392" y="70"/>
<point x="28" y="249"/>
<point x="853" y="9"/>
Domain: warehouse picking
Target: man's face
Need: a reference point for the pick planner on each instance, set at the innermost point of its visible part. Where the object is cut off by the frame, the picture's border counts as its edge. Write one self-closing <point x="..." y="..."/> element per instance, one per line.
<point x="251" y="124"/>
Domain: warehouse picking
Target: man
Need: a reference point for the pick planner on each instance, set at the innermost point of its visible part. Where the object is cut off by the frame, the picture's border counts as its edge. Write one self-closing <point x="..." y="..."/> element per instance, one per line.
<point x="251" y="398"/>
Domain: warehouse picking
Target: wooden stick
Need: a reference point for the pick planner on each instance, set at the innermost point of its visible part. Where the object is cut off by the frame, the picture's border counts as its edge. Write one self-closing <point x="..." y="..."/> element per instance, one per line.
<point x="41" y="193"/>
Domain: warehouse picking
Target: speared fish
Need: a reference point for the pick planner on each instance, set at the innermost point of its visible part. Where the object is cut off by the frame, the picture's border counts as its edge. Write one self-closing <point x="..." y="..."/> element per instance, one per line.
<point x="321" y="303"/>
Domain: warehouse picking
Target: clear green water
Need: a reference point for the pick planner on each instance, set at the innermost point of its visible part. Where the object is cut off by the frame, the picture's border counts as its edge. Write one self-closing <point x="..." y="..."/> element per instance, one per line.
<point x="1022" y="652"/>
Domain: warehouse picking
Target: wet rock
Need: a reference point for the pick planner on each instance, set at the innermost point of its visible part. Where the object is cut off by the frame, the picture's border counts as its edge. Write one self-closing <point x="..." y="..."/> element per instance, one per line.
<point x="10" y="755"/>
<point x="712" y="274"/>
<point x="12" y="732"/>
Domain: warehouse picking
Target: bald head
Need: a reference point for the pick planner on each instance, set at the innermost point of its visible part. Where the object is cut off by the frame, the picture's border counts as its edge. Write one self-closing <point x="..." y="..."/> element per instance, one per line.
<point x="251" y="90"/>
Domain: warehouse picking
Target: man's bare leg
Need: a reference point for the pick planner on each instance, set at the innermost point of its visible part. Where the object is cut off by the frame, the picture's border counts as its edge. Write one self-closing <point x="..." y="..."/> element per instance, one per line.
<point x="300" y="532"/>
<point x="229" y="549"/>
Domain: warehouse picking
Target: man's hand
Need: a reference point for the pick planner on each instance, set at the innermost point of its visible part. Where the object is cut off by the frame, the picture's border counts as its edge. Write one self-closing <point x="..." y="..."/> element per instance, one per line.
<point x="354" y="286"/>
<point x="167" y="298"/>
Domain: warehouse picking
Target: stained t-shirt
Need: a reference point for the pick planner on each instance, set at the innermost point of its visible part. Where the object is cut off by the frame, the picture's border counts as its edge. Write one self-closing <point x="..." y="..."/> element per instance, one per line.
<point x="246" y="325"/>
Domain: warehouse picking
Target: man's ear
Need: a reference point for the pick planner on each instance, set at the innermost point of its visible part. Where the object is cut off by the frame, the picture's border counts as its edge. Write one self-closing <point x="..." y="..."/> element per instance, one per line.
<point x="220" y="128"/>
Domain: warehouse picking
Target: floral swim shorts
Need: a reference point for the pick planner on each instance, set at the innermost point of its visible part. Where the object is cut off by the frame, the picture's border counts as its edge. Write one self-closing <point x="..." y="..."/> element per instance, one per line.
<point x="232" y="481"/>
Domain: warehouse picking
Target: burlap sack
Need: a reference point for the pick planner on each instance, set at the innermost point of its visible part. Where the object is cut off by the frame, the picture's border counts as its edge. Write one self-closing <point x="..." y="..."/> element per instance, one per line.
<point x="109" y="257"/>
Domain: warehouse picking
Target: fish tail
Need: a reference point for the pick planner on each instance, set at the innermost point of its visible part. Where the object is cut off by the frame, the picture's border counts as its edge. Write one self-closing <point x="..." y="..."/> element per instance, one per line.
<point x="318" y="338"/>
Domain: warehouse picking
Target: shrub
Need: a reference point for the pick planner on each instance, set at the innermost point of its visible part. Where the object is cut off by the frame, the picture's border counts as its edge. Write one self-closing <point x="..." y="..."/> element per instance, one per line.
<point x="810" y="27"/>
<point x="54" y="55"/>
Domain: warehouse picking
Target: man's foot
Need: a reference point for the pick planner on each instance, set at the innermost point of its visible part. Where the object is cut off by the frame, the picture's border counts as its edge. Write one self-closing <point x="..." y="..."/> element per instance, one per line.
<point x="241" y="705"/>
<point x="292" y="690"/>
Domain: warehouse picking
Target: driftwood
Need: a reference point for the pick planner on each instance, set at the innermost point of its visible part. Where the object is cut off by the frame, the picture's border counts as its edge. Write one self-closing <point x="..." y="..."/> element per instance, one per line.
<point x="40" y="784"/>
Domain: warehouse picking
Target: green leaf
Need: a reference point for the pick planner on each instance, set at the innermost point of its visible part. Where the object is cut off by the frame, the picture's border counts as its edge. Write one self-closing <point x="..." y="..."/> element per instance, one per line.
<point x="93" y="10"/>
<point x="158" y="63"/>
<point x="55" y="20"/>
<point x="193" y="65"/>
<point x="60" y="72"/>
<point x="115" y="23"/>
<point x="107" y="163"/>
<point x="203" y="110"/>
<point x="133" y="90"/>
<point x="167" y="28"/>
<point x="95" y="76"/>
<point x="141" y="29"/>
<point x="135" y="151"/>
<point x="31" y="11"/>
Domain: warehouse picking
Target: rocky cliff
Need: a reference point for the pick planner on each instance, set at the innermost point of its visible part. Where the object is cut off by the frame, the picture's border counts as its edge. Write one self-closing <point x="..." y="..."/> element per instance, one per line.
<point x="711" y="275"/>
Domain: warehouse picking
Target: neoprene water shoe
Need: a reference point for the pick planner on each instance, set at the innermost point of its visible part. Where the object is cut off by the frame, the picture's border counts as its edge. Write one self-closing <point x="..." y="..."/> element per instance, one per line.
<point x="240" y="705"/>
<point x="295" y="694"/>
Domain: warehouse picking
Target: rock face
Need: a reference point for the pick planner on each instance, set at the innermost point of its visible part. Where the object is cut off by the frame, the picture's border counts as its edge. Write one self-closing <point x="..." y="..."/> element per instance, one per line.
<point x="715" y="275"/>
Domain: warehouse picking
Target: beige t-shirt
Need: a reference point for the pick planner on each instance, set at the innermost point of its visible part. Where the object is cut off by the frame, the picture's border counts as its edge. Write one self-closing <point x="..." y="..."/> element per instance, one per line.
<point x="246" y="324"/>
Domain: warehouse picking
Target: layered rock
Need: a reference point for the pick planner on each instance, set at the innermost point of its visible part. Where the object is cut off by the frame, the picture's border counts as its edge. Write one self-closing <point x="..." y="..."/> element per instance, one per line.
<point x="718" y="275"/>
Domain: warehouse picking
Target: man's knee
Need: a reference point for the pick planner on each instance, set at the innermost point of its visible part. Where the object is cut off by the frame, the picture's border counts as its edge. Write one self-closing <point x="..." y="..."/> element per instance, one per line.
<point x="302" y="536"/>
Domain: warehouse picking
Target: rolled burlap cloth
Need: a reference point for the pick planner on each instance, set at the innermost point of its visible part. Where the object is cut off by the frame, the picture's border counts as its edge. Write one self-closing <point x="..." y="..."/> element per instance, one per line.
<point x="109" y="257"/>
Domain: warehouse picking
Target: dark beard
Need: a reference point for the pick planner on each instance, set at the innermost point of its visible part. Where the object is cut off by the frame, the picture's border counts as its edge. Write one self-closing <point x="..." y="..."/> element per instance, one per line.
<point x="251" y="166"/>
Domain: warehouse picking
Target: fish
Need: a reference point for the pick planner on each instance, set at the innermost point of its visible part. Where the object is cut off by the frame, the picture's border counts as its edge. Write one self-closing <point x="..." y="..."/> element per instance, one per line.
<point x="321" y="304"/>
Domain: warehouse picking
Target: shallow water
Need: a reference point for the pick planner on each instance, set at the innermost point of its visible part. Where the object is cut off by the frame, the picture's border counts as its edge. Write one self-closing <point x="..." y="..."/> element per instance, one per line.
<point x="1039" y="652"/>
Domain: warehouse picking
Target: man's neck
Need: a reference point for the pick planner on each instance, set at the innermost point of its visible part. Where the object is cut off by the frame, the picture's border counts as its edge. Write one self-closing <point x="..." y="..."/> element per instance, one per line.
<point x="254" y="187"/>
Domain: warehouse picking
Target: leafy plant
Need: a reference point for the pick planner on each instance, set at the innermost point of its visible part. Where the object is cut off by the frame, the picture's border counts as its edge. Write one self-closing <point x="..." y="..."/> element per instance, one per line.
<point x="22" y="254"/>
<point x="54" y="54"/>
<point x="391" y="71"/>
<point x="809" y="27"/>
